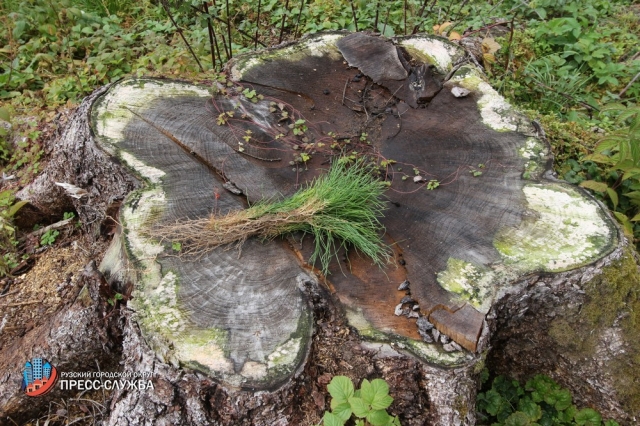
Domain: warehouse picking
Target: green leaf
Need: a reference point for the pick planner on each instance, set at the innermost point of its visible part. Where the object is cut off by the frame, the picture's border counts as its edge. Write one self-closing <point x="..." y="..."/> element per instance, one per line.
<point x="593" y="185"/>
<point x="567" y="415"/>
<point x="367" y="392"/>
<point x="381" y="398"/>
<point x="343" y="411"/>
<point x="518" y="419"/>
<point x="379" y="418"/>
<point x="11" y="211"/>
<point x="341" y="389"/>
<point x="608" y="143"/>
<point x="331" y="419"/>
<point x="627" y="227"/>
<point x="359" y="407"/>
<point x="381" y="402"/>
<point x="5" y="114"/>
<point x="560" y="398"/>
<point x="588" y="417"/>
<point x="493" y="402"/>
<point x="530" y="408"/>
<point x="611" y="423"/>
<point x="633" y="172"/>
<point x="634" y="195"/>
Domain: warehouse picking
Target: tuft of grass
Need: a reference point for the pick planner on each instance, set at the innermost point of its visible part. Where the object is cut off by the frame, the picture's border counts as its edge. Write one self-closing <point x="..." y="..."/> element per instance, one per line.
<point x="340" y="209"/>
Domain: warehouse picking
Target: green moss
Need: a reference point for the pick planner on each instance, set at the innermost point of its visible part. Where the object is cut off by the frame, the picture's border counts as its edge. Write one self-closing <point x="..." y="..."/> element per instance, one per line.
<point x="472" y="283"/>
<point x="576" y="346"/>
<point x="618" y="293"/>
<point x="461" y="406"/>
<point x="613" y="294"/>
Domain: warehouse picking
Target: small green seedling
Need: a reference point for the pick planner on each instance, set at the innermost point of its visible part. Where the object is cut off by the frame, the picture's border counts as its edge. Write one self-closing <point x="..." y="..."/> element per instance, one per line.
<point x="117" y="297"/>
<point x="433" y="184"/>
<point x="368" y="404"/>
<point x="49" y="237"/>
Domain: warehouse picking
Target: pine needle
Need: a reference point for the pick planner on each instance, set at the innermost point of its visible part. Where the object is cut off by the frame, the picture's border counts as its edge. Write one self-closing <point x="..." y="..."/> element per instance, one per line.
<point x="339" y="209"/>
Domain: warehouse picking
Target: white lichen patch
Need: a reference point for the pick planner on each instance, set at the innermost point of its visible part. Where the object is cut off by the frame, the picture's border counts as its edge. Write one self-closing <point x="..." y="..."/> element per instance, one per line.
<point x="315" y="45"/>
<point x="135" y="215"/>
<point x="204" y="348"/>
<point x="145" y="171"/>
<point x="323" y="45"/>
<point x="286" y="354"/>
<point x="564" y="230"/>
<point x="434" y="353"/>
<point x="534" y="151"/>
<point x="357" y="320"/>
<point x="254" y="370"/>
<point x="434" y="51"/>
<point x="114" y="109"/>
<point x="157" y="309"/>
<point x="471" y="283"/>
<point x="496" y="112"/>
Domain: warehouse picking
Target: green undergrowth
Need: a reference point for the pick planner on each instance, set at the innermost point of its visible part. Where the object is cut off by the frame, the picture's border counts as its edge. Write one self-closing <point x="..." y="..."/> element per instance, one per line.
<point x="540" y="402"/>
<point x="572" y="63"/>
<point x="367" y="406"/>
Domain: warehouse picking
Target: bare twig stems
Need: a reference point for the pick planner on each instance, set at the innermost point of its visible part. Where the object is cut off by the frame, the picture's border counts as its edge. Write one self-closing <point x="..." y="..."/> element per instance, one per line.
<point x="255" y="46"/>
<point x="166" y="8"/>
<point x="295" y="33"/>
<point x="353" y="12"/>
<point x="213" y="40"/>
<point x="229" y="31"/>
<point x="284" y="15"/>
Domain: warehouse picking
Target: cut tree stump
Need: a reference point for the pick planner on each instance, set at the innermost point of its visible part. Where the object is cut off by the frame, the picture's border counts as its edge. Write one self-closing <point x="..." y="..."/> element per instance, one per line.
<point x="480" y="230"/>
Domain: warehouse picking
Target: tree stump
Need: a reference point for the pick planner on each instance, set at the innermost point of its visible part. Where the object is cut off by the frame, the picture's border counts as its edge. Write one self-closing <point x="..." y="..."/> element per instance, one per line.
<point x="478" y="226"/>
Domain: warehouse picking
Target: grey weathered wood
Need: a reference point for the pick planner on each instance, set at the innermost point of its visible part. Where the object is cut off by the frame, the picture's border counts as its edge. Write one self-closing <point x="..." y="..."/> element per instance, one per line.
<point x="239" y="318"/>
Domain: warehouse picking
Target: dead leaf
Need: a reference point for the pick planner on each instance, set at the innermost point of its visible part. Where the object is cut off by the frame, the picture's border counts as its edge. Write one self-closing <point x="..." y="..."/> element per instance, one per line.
<point x="488" y="58"/>
<point x="489" y="45"/>
<point x="454" y="36"/>
<point x="440" y="29"/>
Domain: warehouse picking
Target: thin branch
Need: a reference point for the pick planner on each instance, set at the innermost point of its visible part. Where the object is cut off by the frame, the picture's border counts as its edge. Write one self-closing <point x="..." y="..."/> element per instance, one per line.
<point x="284" y="15"/>
<point x="463" y="4"/>
<point x="353" y="12"/>
<point x="384" y="27"/>
<point x="344" y="91"/>
<point x="213" y="40"/>
<point x="255" y="46"/>
<point x="506" y="64"/>
<point x="415" y="29"/>
<point x="404" y="17"/>
<point x="295" y="33"/>
<point x="375" y="22"/>
<point x="229" y="31"/>
<point x="633" y="80"/>
<point x="56" y="225"/>
<point x="166" y="8"/>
